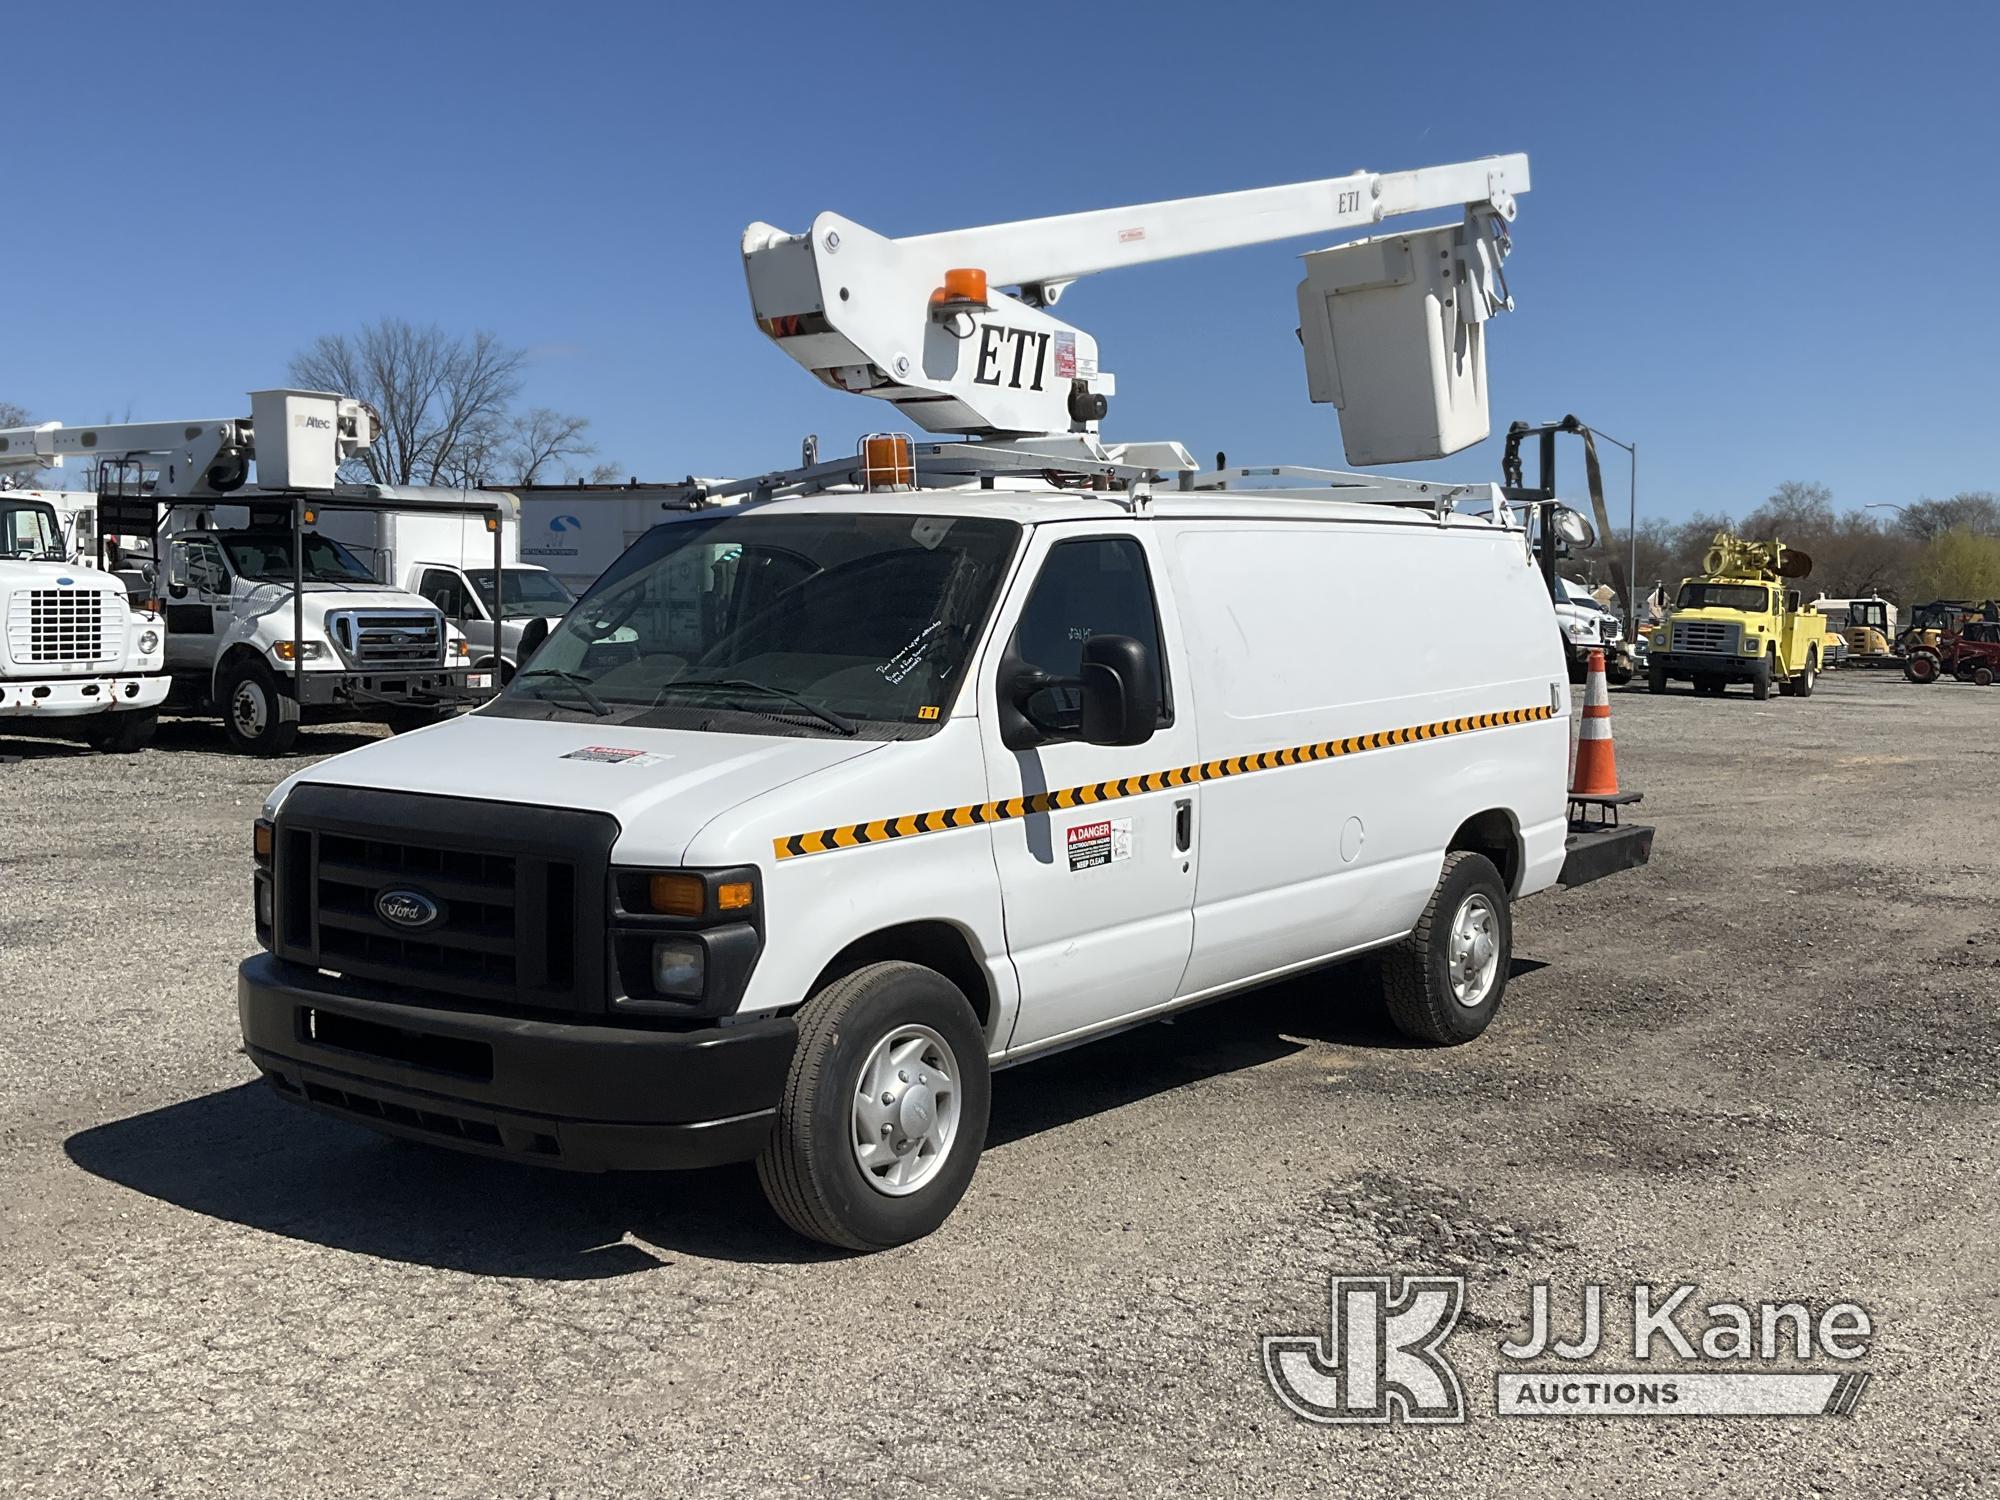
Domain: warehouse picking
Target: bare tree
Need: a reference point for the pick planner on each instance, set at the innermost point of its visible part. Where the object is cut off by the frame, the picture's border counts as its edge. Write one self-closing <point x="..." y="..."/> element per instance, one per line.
<point x="443" y="399"/>
<point x="1976" y="511"/>
<point x="538" y="440"/>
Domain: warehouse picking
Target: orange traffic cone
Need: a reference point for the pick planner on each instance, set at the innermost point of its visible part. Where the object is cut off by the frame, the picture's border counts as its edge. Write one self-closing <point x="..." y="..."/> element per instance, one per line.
<point x="1596" y="767"/>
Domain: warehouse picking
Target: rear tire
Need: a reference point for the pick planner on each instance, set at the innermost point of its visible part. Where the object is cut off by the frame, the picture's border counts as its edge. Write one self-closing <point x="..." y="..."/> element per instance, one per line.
<point x="1444" y="981"/>
<point x="125" y="733"/>
<point x="893" y="1029"/>
<point x="1923" y="665"/>
<point x="257" y="715"/>
<point x="1808" y="678"/>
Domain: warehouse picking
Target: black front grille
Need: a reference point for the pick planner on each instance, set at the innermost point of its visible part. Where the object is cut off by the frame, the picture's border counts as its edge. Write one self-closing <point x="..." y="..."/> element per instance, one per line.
<point x="516" y="897"/>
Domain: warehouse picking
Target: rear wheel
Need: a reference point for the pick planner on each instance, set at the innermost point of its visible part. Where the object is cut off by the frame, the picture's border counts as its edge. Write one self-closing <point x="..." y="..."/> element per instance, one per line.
<point x="1444" y="981"/>
<point x="884" y="1112"/>
<point x="124" y="733"/>
<point x="1803" y="686"/>
<point x="257" y="716"/>
<point x="1923" y="665"/>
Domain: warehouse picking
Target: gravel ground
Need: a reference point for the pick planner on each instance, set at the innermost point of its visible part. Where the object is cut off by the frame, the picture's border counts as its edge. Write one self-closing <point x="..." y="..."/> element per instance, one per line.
<point x="1765" y="1064"/>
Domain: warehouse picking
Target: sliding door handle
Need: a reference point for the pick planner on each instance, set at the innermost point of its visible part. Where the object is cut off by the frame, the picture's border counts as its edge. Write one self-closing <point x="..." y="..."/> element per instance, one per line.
<point x="1184" y="825"/>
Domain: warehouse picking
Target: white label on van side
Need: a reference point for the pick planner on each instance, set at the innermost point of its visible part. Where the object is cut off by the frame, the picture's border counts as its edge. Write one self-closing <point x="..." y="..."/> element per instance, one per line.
<point x="1107" y="842"/>
<point x="610" y="756"/>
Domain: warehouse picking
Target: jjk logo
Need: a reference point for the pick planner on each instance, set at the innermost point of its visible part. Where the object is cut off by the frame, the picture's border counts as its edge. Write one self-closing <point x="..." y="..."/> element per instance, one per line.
<point x="1382" y="1359"/>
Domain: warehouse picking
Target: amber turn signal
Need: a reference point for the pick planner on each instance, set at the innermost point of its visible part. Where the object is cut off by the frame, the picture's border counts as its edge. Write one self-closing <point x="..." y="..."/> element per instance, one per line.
<point x="260" y="843"/>
<point x="677" y="895"/>
<point x="734" y="895"/>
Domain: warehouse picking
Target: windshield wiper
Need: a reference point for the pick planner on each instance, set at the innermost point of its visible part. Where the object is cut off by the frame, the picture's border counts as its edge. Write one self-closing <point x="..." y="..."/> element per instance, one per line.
<point x="582" y="685"/>
<point x="826" y="716"/>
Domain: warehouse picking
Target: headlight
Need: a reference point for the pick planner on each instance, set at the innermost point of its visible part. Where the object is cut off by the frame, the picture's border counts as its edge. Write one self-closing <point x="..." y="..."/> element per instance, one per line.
<point x="298" y="650"/>
<point x="679" y="968"/>
<point x="149" y="642"/>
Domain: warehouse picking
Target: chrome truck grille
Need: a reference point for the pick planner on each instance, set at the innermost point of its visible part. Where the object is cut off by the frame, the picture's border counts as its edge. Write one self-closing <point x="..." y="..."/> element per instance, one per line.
<point x="64" y="627"/>
<point x="383" y="638"/>
<point x="1706" y="638"/>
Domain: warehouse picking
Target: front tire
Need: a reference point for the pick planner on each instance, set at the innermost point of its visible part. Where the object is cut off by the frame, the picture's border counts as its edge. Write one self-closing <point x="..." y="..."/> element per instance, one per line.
<point x="1760" y="679"/>
<point x="1444" y="981"/>
<point x="126" y="733"/>
<point x="884" y="1113"/>
<point x="1656" y="677"/>
<point x="256" y="715"/>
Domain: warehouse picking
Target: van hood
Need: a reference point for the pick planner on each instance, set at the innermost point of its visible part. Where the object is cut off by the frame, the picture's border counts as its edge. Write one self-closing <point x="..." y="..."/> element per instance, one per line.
<point x="662" y="785"/>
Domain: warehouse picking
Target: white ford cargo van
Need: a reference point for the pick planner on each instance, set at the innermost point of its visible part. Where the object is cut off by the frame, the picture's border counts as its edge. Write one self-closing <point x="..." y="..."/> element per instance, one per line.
<point x="816" y="811"/>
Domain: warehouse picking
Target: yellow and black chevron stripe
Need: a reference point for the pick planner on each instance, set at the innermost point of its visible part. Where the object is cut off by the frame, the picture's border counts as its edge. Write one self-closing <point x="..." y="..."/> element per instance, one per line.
<point x="855" y="835"/>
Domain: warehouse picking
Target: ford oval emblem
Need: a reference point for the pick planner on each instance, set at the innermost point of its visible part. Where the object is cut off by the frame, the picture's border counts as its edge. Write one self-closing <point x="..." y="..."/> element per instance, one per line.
<point x="408" y="909"/>
<point x="65" y="582"/>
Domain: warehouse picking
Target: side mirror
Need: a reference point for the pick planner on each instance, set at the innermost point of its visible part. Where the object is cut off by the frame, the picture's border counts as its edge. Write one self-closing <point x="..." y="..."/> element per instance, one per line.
<point x="1121" y="691"/>
<point x="532" y="635"/>
<point x="177" y="571"/>
<point x="1574" y="527"/>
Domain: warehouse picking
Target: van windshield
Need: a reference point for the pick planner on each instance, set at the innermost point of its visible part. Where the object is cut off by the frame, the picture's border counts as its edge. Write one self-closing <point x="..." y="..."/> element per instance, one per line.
<point x="738" y="619"/>
<point x="1747" y="597"/>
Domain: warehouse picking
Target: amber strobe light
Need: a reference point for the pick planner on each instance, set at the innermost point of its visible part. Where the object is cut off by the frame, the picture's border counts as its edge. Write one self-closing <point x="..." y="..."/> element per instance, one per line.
<point x="887" y="461"/>
<point x="678" y="895"/>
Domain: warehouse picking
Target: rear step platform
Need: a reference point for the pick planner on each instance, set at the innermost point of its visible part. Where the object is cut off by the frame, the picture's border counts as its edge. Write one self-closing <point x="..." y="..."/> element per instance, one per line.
<point x="1601" y="845"/>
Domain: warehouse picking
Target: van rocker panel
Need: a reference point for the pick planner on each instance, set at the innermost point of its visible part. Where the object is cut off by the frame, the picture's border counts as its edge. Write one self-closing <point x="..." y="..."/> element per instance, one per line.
<point x="609" y="1096"/>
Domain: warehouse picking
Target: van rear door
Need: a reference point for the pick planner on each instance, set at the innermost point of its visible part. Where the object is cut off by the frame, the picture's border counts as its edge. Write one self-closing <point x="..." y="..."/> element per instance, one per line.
<point x="1098" y="892"/>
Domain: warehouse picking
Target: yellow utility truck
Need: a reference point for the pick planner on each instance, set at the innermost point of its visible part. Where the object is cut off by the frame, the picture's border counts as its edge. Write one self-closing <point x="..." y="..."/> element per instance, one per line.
<point x="1738" y="622"/>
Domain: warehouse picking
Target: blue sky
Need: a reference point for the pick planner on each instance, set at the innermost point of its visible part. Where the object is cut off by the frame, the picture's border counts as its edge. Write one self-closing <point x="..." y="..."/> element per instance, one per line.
<point x="1761" y="239"/>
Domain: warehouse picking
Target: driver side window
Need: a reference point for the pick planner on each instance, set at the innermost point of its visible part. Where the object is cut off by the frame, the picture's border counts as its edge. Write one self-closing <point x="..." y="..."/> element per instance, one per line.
<point x="446" y="590"/>
<point x="1094" y="586"/>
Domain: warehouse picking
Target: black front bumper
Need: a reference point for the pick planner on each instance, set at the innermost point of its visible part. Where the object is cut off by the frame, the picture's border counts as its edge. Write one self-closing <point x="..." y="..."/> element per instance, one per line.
<point x="1695" y="664"/>
<point x="588" y="1097"/>
<point x="427" y="687"/>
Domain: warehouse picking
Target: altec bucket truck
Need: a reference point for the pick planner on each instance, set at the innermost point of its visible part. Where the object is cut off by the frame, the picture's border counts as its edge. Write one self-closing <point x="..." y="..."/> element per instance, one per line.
<point x="268" y="622"/>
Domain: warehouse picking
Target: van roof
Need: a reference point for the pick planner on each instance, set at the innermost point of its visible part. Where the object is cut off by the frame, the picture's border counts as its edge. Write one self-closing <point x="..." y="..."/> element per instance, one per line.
<point x="1045" y="506"/>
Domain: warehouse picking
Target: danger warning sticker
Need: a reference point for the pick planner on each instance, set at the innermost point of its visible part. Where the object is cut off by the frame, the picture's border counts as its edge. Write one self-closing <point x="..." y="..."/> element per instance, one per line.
<point x="1107" y="842"/>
